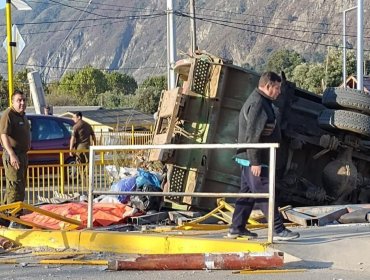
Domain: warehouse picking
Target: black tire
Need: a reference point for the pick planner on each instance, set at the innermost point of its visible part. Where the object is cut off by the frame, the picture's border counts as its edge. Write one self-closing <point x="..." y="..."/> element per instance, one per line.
<point x="338" y="98"/>
<point x="345" y="120"/>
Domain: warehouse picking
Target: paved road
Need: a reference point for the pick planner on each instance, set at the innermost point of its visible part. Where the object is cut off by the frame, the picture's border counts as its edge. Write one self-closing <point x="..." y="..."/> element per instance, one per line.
<point x="8" y="272"/>
<point x="327" y="253"/>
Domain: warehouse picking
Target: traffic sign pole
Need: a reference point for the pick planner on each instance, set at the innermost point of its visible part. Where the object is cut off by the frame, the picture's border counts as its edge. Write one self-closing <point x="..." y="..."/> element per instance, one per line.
<point x="10" y="51"/>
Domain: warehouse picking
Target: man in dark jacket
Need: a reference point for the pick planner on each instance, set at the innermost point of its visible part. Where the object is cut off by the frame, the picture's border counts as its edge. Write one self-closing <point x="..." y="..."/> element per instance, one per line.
<point x="258" y="124"/>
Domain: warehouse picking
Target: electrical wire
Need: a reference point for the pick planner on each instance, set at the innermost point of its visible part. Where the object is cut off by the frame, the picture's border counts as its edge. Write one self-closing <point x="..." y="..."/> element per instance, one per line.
<point x="65" y="38"/>
<point x="279" y="27"/>
<point x="258" y="32"/>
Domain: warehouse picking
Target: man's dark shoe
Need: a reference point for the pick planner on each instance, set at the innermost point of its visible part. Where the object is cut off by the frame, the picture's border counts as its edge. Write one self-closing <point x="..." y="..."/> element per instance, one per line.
<point x="285" y="235"/>
<point x="234" y="233"/>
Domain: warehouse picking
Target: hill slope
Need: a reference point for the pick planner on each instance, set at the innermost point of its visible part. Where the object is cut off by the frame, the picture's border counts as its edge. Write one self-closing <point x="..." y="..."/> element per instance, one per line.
<point x="130" y="36"/>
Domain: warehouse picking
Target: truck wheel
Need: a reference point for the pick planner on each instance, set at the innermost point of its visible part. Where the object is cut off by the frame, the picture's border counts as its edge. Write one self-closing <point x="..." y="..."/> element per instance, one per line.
<point x="337" y="98"/>
<point x="345" y="120"/>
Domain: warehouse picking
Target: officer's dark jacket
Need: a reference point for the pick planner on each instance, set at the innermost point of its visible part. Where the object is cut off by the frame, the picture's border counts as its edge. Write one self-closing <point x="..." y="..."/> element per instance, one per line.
<point x="257" y="124"/>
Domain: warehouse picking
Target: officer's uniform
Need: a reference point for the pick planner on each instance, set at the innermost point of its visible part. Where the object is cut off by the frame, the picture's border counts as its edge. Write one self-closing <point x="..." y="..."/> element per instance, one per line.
<point x="17" y="128"/>
<point x="82" y="131"/>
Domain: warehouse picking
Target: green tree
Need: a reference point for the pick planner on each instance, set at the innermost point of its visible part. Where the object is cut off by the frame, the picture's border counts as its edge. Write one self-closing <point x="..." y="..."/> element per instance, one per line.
<point x="21" y="82"/>
<point x="4" y="94"/>
<point x="121" y="82"/>
<point x="113" y="99"/>
<point x="147" y="99"/>
<point x="284" y="60"/>
<point x="309" y="77"/>
<point x="334" y="65"/>
<point x="85" y="85"/>
<point x="90" y="83"/>
<point x="158" y="82"/>
<point x="67" y="84"/>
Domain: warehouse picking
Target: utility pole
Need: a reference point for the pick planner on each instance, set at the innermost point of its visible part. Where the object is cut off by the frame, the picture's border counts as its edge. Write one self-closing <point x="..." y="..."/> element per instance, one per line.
<point x="22" y="6"/>
<point x="171" y="46"/>
<point x="193" y="32"/>
<point x="344" y="68"/>
<point x="360" y="44"/>
<point x="10" y="44"/>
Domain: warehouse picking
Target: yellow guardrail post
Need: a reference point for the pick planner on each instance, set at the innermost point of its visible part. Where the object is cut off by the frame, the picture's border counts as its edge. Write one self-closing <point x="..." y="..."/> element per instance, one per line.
<point x="132" y="135"/>
<point x="61" y="158"/>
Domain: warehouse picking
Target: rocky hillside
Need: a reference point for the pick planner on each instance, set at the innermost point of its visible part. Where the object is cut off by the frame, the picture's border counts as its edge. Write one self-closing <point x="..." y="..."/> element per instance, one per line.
<point x="130" y="36"/>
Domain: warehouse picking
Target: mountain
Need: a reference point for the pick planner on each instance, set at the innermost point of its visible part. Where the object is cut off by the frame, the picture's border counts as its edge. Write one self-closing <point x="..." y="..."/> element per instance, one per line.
<point x="130" y="36"/>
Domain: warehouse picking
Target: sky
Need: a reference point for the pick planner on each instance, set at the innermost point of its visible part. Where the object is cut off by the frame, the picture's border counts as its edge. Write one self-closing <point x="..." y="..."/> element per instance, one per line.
<point x="2" y="4"/>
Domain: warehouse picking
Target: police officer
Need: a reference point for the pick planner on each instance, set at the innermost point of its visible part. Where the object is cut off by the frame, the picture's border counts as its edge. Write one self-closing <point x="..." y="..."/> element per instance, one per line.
<point x="15" y="140"/>
<point x="82" y="137"/>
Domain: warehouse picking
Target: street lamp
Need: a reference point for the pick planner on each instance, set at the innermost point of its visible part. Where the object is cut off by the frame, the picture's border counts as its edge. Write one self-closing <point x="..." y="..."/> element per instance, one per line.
<point x="345" y="46"/>
<point x="22" y="6"/>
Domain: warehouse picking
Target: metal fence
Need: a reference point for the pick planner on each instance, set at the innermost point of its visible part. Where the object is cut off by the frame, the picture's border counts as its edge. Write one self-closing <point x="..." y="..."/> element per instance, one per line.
<point x="66" y="177"/>
<point x="96" y="150"/>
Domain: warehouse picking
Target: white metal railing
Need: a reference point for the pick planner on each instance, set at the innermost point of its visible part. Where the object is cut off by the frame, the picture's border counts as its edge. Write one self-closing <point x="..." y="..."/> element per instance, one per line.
<point x="270" y="195"/>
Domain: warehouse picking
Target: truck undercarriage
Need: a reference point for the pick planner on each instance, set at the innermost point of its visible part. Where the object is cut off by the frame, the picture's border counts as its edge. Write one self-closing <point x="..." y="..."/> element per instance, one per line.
<point x="324" y="157"/>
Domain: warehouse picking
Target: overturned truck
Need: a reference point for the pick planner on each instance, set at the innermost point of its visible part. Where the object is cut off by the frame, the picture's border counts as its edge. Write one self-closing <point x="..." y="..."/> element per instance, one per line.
<point x="324" y="157"/>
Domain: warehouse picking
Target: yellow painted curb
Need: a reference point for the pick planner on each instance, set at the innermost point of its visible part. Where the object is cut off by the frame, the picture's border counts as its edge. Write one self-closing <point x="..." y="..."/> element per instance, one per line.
<point x="128" y="242"/>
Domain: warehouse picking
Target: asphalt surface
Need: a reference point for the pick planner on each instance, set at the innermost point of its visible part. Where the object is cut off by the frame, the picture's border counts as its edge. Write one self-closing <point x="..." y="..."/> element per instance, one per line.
<point x="335" y="252"/>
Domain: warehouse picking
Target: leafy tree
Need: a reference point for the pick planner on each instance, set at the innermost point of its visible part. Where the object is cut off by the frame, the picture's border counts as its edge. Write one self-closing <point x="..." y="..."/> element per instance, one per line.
<point x="284" y="60"/>
<point x="4" y="94"/>
<point x="309" y="77"/>
<point x="113" y="99"/>
<point x="90" y="82"/>
<point x="121" y="82"/>
<point x="147" y="99"/>
<point x="85" y="85"/>
<point x="21" y="82"/>
<point x="334" y="64"/>
<point x="67" y="84"/>
<point x="158" y="82"/>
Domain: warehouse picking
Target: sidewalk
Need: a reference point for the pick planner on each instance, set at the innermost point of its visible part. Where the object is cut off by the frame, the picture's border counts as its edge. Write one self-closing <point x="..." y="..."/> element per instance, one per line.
<point x="344" y="247"/>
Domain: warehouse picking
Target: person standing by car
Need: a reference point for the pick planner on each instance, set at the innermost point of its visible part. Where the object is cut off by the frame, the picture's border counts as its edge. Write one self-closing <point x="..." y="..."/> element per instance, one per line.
<point x="15" y="140"/>
<point x="258" y="124"/>
<point x="82" y="137"/>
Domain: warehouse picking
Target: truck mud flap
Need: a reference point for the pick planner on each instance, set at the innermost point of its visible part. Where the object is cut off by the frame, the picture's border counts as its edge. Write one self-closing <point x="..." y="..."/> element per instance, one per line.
<point x="345" y="120"/>
<point x="339" y="98"/>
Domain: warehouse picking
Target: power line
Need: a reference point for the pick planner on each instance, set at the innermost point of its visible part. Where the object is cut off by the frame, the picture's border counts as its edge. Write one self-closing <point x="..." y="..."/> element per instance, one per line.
<point x="222" y="19"/>
<point x="66" y="37"/>
<point x="260" y="16"/>
<point x="113" y="7"/>
<point x="131" y="17"/>
<point x="80" y="68"/>
<point x="218" y="22"/>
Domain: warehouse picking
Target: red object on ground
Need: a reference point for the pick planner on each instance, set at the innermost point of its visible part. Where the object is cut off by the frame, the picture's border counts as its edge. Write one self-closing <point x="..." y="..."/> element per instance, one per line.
<point x="222" y="261"/>
<point x="105" y="214"/>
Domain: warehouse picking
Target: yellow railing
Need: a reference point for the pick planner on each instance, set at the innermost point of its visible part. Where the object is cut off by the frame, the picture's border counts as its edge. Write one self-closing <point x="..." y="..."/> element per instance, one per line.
<point x="68" y="178"/>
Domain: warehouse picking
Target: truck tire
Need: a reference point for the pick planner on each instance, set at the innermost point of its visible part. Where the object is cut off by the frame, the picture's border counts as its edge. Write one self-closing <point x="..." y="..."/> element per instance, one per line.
<point x="345" y="120"/>
<point x="338" y="98"/>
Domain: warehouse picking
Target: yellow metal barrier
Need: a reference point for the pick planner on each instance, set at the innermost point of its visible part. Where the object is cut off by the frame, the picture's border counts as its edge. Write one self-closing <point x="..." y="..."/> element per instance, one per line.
<point x="64" y="177"/>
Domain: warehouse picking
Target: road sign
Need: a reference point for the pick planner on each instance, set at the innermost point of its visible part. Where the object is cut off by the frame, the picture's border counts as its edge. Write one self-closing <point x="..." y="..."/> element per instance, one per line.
<point x="21" y="5"/>
<point x="19" y="43"/>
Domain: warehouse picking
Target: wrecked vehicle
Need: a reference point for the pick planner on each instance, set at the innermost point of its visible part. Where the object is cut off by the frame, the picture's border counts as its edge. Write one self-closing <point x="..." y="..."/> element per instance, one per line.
<point x="324" y="157"/>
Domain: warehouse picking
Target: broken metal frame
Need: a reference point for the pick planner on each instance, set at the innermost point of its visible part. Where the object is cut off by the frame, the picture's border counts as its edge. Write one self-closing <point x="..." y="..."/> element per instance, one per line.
<point x="270" y="195"/>
<point x="14" y="208"/>
<point x="313" y="216"/>
<point x="221" y="215"/>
